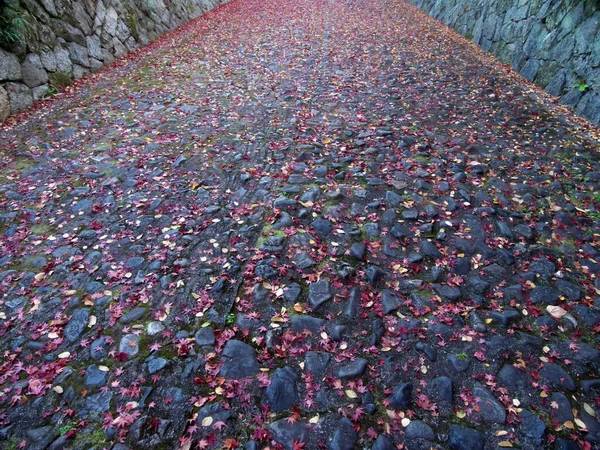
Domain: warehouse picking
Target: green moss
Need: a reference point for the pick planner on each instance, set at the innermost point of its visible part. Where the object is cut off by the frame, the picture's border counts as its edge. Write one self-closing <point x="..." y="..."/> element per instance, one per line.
<point x="11" y="444"/>
<point x="60" y="80"/>
<point x="41" y="229"/>
<point x="90" y="438"/>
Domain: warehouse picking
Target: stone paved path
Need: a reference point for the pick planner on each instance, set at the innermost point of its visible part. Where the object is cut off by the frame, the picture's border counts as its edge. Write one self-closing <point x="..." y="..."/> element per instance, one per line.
<point x="307" y="224"/>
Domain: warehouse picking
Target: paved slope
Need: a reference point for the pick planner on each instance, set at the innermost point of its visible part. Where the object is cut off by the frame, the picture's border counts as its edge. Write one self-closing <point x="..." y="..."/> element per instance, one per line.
<point x="304" y="224"/>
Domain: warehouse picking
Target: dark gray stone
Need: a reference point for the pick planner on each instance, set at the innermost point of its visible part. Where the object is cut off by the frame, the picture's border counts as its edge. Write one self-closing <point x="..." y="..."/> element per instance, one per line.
<point x="282" y="393"/>
<point x="383" y="443"/>
<point x="389" y="301"/>
<point x="440" y="388"/>
<point x="532" y="426"/>
<point x="301" y="323"/>
<point x="418" y="429"/>
<point x="285" y="432"/>
<point x="95" y="377"/>
<point x="129" y="345"/>
<point x="99" y="403"/>
<point x="557" y="377"/>
<point x="319" y="293"/>
<point x="239" y="360"/>
<point x="133" y="315"/>
<point x="491" y="410"/>
<point x="204" y="336"/>
<point x="355" y="369"/>
<point x="344" y="437"/>
<point x="156" y="365"/>
<point x="463" y="438"/>
<point x="402" y="396"/>
<point x="429" y="250"/>
<point x="322" y="226"/>
<point x="77" y="324"/>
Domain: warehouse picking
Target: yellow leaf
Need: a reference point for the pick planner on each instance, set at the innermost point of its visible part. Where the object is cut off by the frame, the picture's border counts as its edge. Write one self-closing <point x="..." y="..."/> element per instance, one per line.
<point x="405" y="422"/>
<point x="543" y="394"/>
<point x="568" y="424"/>
<point x="58" y="389"/>
<point x="64" y="355"/>
<point x="92" y="321"/>
<point x="589" y="410"/>
<point x="501" y="433"/>
<point x="461" y="414"/>
<point x="580" y="424"/>
<point x="351" y="394"/>
<point x="53" y="335"/>
<point x="314" y="419"/>
<point x="219" y="390"/>
<point x="103" y="369"/>
<point x="504" y="444"/>
<point x="207" y="421"/>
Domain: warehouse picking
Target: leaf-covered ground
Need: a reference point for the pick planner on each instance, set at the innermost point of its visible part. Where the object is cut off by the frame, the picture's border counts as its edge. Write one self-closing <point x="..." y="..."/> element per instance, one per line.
<point x="304" y="224"/>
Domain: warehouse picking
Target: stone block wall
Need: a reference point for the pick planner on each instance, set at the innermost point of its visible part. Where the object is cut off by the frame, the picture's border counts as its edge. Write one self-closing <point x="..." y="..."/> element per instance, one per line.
<point x="554" y="43"/>
<point x="68" y="39"/>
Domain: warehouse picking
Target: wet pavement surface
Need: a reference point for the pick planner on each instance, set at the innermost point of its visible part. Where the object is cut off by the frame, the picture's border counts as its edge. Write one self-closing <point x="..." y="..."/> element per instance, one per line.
<point x="300" y="225"/>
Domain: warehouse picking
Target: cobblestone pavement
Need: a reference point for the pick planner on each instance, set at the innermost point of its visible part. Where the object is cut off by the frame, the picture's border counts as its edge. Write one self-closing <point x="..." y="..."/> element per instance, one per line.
<point x="307" y="224"/>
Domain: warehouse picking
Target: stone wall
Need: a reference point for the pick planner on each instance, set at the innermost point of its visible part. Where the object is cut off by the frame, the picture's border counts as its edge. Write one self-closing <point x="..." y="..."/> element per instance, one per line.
<point x="68" y="39"/>
<point x="554" y="43"/>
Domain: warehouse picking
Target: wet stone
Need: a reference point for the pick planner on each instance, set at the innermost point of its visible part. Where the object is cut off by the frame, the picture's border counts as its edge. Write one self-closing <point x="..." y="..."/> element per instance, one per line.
<point x="156" y="365"/>
<point x="429" y="250"/>
<point x="448" y="292"/>
<point x="383" y="443"/>
<point x="94" y="377"/>
<point x="401" y="397"/>
<point x="389" y="301"/>
<point x="301" y="323"/>
<point x="304" y="261"/>
<point x="561" y="410"/>
<point x="322" y="226"/>
<point x="400" y="232"/>
<point x="344" y="436"/>
<point x="77" y="324"/>
<point x="505" y="317"/>
<point x="418" y="429"/>
<point x="459" y="362"/>
<point x="99" y="348"/>
<point x="463" y="438"/>
<point x="353" y="303"/>
<point x="134" y="262"/>
<point x="292" y="292"/>
<point x="286" y="433"/>
<point x="532" y="426"/>
<point x="133" y="315"/>
<point x="316" y="363"/>
<point x="514" y="379"/>
<point x="239" y="360"/>
<point x="358" y="250"/>
<point x="570" y="290"/>
<point x="214" y="410"/>
<point x="204" y="336"/>
<point x="462" y="266"/>
<point x="273" y="244"/>
<point x="129" y="345"/>
<point x="440" y="388"/>
<point x="491" y="410"/>
<point x="99" y="403"/>
<point x="374" y="274"/>
<point x="155" y="327"/>
<point x="556" y="376"/>
<point x="319" y="293"/>
<point x="282" y="393"/>
<point x="353" y="370"/>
